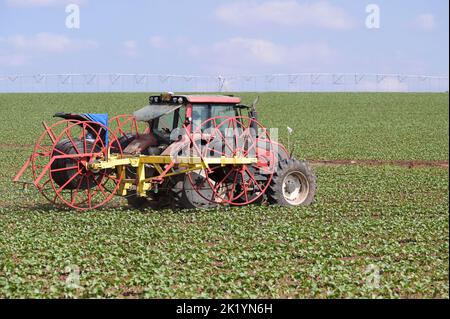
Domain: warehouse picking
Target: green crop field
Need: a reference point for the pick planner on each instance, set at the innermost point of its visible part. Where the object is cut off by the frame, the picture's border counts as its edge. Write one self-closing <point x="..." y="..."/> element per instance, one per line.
<point x="375" y="231"/>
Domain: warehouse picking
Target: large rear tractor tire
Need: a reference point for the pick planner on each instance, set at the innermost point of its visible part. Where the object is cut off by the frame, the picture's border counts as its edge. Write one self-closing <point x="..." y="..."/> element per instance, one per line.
<point x="293" y="184"/>
<point x="184" y="196"/>
<point x="65" y="175"/>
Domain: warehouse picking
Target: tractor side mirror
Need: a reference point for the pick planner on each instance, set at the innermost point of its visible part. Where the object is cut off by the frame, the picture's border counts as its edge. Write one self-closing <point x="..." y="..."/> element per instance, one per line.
<point x="252" y="113"/>
<point x="255" y="101"/>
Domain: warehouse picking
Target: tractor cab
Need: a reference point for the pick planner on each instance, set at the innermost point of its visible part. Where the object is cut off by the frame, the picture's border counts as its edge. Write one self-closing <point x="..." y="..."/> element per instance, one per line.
<point x="168" y="111"/>
<point x="168" y="115"/>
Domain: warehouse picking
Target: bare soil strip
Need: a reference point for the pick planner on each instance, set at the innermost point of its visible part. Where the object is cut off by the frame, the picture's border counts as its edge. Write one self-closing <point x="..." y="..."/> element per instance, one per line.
<point x="402" y="163"/>
<point x="314" y="162"/>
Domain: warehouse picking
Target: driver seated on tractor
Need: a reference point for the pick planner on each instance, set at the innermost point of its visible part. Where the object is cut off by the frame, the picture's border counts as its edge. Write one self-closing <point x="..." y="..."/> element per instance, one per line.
<point x="161" y="119"/>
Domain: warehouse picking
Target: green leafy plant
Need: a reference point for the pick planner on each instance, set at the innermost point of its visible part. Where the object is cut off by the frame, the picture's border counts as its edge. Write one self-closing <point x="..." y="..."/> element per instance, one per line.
<point x="374" y="232"/>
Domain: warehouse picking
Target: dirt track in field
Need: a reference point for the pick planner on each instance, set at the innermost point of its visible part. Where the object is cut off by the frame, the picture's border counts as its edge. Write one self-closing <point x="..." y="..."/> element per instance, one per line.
<point x="402" y="163"/>
<point x="315" y="162"/>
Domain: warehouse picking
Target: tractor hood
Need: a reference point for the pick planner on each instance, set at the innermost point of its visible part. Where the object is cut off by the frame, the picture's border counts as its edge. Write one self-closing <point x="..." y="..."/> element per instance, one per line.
<point x="154" y="111"/>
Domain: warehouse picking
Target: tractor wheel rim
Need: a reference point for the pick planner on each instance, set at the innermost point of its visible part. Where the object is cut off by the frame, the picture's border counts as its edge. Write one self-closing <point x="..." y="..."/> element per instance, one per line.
<point x="295" y="188"/>
<point x="42" y="153"/>
<point x="96" y="194"/>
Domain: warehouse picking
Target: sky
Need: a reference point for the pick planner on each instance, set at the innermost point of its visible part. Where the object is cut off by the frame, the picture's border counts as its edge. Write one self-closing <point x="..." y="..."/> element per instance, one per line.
<point x="211" y="37"/>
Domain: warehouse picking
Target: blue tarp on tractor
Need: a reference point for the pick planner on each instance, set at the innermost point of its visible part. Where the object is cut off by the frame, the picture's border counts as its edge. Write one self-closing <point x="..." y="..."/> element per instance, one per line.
<point x="99" y="118"/>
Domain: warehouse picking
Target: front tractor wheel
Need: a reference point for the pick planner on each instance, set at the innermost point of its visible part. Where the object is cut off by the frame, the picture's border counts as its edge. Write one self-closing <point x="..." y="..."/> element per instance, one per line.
<point x="293" y="184"/>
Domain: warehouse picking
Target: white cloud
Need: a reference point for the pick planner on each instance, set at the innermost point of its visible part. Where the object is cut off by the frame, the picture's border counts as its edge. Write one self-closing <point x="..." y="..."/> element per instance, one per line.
<point x="249" y="50"/>
<point x="17" y="50"/>
<point x="48" y="42"/>
<point x="158" y="42"/>
<point x="425" y="22"/>
<point x="241" y="55"/>
<point x="41" y="3"/>
<point x="130" y="48"/>
<point x="13" y="59"/>
<point x="289" y="13"/>
<point x="44" y="42"/>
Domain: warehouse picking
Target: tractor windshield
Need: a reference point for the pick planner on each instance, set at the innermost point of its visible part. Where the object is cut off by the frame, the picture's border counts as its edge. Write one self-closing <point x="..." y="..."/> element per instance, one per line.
<point x="203" y="112"/>
<point x="165" y="124"/>
<point x="163" y="118"/>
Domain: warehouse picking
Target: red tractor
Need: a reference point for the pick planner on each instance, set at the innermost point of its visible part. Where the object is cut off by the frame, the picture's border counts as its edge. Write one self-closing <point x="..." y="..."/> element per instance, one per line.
<point x="180" y="151"/>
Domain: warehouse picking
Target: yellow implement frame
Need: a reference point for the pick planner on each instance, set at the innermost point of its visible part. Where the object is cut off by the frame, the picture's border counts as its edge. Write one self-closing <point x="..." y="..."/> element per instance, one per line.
<point x="164" y="165"/>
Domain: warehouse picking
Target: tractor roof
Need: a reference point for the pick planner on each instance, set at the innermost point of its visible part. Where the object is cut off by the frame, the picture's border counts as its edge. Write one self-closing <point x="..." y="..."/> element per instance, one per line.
<point x="224" y="99"/>
<point x="170" y="98"/>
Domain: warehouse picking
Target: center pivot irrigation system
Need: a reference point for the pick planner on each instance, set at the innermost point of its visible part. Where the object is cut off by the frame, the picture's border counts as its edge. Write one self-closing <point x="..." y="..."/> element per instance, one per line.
<point x="180" y="151"/>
